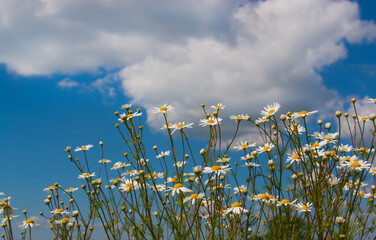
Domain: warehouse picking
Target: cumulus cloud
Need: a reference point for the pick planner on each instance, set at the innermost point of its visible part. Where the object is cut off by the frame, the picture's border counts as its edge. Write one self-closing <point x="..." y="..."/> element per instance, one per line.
<point x="242" y="53"/>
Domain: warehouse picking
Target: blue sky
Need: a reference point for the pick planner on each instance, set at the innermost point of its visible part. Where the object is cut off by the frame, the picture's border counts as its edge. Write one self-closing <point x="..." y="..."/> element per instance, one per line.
<point x="64" y="72"/>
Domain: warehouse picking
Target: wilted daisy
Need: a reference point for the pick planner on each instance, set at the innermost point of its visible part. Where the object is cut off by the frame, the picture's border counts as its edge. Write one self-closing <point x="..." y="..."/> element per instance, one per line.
<point x="270" y="109"/>
<point x="181" y="125"/>
<point x="295" y="130"/>
<point x="236" y="208"/>
<point x="6" y="210"/>
<point x="218" y="106"/>
<point x="7" y="219"/>
<point x="371" y="100"/>
<point x="211" y="121"/>
<point x="266" y="148"/>
<point x="163" y="109"/>
<point x="217" y="169"/>
<point x="239" y="118"/>
<point x="86" y="175"/>
<point x="194" y="197"/>
<point x="83" y="148"/>
<point x="303" y="207"/>
<point x="29" y="223"/>
<point x="163" y="154"/>
<point x="178" y="188"/>
<point x="243" y="145"/>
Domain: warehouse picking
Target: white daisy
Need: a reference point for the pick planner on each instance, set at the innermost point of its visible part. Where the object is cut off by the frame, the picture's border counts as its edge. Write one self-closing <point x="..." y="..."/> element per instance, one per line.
<point x="194" y="197"/>
<point x="163" y="154"/>
<point x="218" y="106"/>
<point x="86" y="175"/>
<point x="211" y="121"/>
<point x="181" y="125"/>
<point x="236" y="208"/>
<point x="217" y="169"/>
<point x="244" y="145"/>
<point x="178" y="188"/>
<point x="239" y="118"/>
<point x="29" y="223"/>
<point x="303" y="207"/>
<point x="270" y="109"/>
<point x="163" y="109"/>
<point x="83" y="148"/>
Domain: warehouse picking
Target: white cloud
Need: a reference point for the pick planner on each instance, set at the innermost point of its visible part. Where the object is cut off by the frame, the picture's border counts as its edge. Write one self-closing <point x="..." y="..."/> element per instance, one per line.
<point x="242" y="53"/>
<point x="67" y="83"/>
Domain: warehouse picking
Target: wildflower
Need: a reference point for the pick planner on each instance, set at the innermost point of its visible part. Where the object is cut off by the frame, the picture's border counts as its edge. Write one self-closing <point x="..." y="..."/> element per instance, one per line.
<point x="239" y="118"/>
<point x="217" y="169"/>
<point x="242" y="189"/>
<point x="218" y="106"/>
<point x="340" y="220"/>
<point x="130" y="173"/>
<point x="194" y="197"/>
<point x="158" y="187"/>
<point x="126" y="106"/>
<point x="51" y="188"/>
<point x="286" y="203"/>
<point x="270" y="109"/>
<point x="266" y="148"/>
<point x="364" y="195"/>
<point x="169" y="125"/>
<point x="86" y="175"/>
<point x="303" y="114"/>
<point x="294" y="157"/>
<point x="250" y="164"/>
<point x="363" y="118"/>
<point x="7" y="219"/>
<point x="6" y="210"/>
<point x="247" y="157"/>
<point x="191" y="179"/>
<point x="236" y="208"/>
<point x="180" y="164"/>
<point x="333" y="181"/>
<point x="181" y="125"/>
<point x="65" y="221"/>
<point x="265" y="197"/>
<point x="328" y="138"/>
<point x="364" y="150"/>
<point x="70" y="190"/>
<point x="211" y="121"/>
<point x="143" y="160"/>
<point x="344" y="148"/>
<point x="170" y="179"/>
<point x="59" y="211"/>
<point x="83" y="148"/>
<point x="124" y="116"/>
<point x="163" y="154"/>
<point x="295" y="130"/>
<point x="119" y="165"/>
<point x="197" y="169"/>
<point x="262" y="119"/>
<point x="244" y="145"/>
<point x="223" y="160"/>
<point x="29" y="223"/>
<point x="104" y="161"/>
<point x="157" y="175"/>
<point x="302" y="207"/>
<point x="163" y="109"/>
<point x="178" y="188"/>
<point x="128" y="185"/>
<point x="356" y="165"/>
<point x="371" y="100"/>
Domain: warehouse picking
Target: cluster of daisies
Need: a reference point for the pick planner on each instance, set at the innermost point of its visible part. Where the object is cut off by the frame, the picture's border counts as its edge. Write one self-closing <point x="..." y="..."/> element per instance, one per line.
<point x="7" y="212"/>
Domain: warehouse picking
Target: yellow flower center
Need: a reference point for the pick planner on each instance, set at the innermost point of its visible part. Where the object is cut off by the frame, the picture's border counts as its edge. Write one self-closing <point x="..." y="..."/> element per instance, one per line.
<point x="266" y="148"/>
<point x="244" y="145"/>
<point x="283" y="201"/>
<point x="364" y="118"/>
<point x="28" y="221"/>
<point x="180" y="125"/>
<point x="210" y="121"/>
<point x="159" y="187"/>
<point x="118" y="179"/>
<point x="303" y="112"/>
<point x="155" y="175"/>
<point x="305" y="207"/>
<point x="128" y="185"/>
<point x="6" y="206"/>
<point x="236" y="204"/>
<point x="238" y="117"/>
<point x="83" y="148"/>
<point x="363" y="149"/>
<point x="296" y="156"/>
<point x="315" y="145"/>
<point x="332" y="152"/>
<point x="65" y="220"/>
<point x="59" y="210"/>
<point x="163" y="109"/>
<point x="264" y="196"/>
<point x="173" y="179"/>
<point x="361" y="194"/>
<point x="216" y="168"/>
<point x="130" y="171"/>
<point x="194" y="196"/>
<point x="191" y="178"/>
<point x="86" y="175"/>
<point x="130" y="115"/>
<point x="271" y="111"/>
<point x="355" y="165"/>
<point x="178" y="185"/>
<point x="347" y="184"/>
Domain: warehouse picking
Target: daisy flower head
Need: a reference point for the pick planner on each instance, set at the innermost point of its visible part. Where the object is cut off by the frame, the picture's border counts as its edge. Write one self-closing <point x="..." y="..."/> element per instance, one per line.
<point x="262" y="119"/>
<point x="130" y="173"/>
<point x="242" y="189"/>
<point x="236" y="208"/>
<point x="29" y="223"/>
<point x="65" y="221"/>
<point x="218" y="106"/>
<point x="371" y="100"/>
<point x="217" y="169"/>
<point x="86" y="175"/>
<point x="158" y="187"/>
<point x="355" y="165"/>
<point x="180" y="164"/>
<point x="83" y="148"/>
<point x="163" y="154"/>
<point x="126" y="116"/>
<point x="7" y="219"/>
<point x="266" y="148"/>
<point x="243" y="145"/>
<point x="265" y="197"/>
<point x="286" y="203"/>
<point x="363" y="118"/>
<point x="303" y="207"/>
<point x="181" y="125"/>
<point x="250" y="164"/>
<point x="178" y="188"/>
<point x="223" y="160"/>
<point x="119" y="165"/>
<point x="270" y="109"/>
<point x="51" y="188"/>
<point x="157" y="175"/>
<point x="294" y="157"/>
<point x="239" y="118"/>
<point x="247" y="157"/>
<point x="168" y="126"/>
<point x="303" y="114"/>
<point x="211" y="121"/>
<point x="104" y="161"/>
<point x="70" y="190"/>
<point x="59" y="211"/>
<point x="295" y="130"/>
<point x="194" y="197"/>
<point x="163" y="109"/>
<point x="344" y="148"/>
<point x="126" y="106"/>
<point x="172" y="179"/>
<point x="7" y="210"/>
<point x="128" y="185"/>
